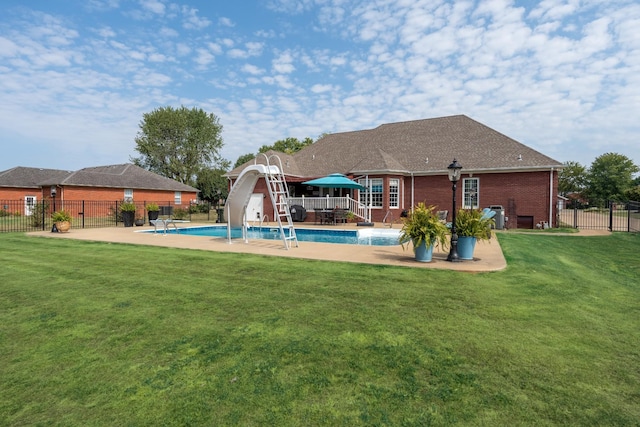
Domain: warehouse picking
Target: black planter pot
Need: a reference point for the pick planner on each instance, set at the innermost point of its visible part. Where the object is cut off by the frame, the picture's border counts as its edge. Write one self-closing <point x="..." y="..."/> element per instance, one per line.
<point x="128" y="218"/>
<point x="153" y="215"/>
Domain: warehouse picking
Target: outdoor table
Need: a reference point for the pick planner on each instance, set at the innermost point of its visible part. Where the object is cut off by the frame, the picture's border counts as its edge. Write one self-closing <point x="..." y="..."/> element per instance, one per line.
<point x="324" y="217"/>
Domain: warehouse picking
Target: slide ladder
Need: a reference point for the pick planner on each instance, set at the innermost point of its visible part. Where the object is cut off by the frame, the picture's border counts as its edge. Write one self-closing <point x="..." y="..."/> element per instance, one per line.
<point x="279" y="192"/>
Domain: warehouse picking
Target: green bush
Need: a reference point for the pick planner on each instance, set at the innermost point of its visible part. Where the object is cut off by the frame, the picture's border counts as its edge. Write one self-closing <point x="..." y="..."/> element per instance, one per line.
<point x="38" y="213"/>
<point x="180" y="213"/>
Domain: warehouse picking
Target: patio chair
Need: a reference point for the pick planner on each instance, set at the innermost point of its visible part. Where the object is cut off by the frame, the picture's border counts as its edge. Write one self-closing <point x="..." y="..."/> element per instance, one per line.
<point x="165" y="219"/>
<point x="340" y="216"/>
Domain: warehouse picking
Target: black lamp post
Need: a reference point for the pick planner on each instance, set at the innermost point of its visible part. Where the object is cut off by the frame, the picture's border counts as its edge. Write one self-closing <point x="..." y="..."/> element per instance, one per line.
<point x="53" y="196"/>
<point x="454" y="175"/>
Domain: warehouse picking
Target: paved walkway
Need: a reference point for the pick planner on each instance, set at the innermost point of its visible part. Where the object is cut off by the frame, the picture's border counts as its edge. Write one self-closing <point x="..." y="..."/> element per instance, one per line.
<point x="488" y="255"/>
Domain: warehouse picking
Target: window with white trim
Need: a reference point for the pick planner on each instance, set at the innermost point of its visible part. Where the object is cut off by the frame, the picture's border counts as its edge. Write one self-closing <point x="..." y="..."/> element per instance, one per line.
<point x="374" y="194"/>
<point x="128" y="194"/>
<point x="177" y="198"/>
<point x="471" y="189"/>
<point x="394" y="193"/>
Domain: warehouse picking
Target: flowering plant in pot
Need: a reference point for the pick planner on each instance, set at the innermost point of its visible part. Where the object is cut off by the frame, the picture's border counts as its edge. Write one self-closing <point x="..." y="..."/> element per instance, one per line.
<point x="472" y="225"/>
<point x="424" y="230"/>
<point x="153" y="211"/>
<point x="128" y="211"/>
<point x="61" y="220"/>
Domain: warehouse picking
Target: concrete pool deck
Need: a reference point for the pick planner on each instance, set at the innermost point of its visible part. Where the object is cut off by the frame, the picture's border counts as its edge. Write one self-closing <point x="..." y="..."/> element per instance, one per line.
<point x="487" y="256"/>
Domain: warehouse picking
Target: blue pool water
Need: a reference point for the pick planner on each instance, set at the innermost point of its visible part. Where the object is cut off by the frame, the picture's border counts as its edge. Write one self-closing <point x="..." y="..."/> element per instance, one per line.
<point x="366" y="236"/>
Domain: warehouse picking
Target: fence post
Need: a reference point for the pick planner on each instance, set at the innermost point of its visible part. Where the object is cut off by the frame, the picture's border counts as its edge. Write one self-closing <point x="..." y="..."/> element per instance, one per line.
<point x="575" y="216"/>
<point x="610" y="215"/>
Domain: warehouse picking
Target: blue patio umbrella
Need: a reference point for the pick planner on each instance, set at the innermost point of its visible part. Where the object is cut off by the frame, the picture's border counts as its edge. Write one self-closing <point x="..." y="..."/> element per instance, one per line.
<point x="335" y="180"/>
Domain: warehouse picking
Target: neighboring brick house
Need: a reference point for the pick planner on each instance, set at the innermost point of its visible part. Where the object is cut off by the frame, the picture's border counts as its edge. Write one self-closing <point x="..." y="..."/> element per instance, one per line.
<point x="406" y="163"/>
<point x="101" y="183"/>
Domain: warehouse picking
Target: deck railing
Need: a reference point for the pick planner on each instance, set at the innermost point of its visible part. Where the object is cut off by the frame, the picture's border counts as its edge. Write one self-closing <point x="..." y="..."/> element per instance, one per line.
<point x="323" y="203"/>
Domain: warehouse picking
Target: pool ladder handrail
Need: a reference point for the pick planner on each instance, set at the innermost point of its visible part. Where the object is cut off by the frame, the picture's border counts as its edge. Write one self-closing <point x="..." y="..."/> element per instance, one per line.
<point x="388" y="214"/>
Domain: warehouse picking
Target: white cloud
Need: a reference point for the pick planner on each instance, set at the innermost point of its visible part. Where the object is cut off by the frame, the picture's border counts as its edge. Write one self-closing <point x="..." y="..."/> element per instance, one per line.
<point x="283" y="63"/>
<point x="318" y="88"/>
<point x="154" y="6"/>
<point x="8" y="48"/>
<point x="191" y="20"/>
<point x="252" y="69"/>
<point x="204" y="57"/>
<point x="226" y="22"/>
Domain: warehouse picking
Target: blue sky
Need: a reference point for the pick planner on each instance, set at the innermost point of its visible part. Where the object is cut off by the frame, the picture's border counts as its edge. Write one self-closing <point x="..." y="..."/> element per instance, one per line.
<point x="561" y="76"/>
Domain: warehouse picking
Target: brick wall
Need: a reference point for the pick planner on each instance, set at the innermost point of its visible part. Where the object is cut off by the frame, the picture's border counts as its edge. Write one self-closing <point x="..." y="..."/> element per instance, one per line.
<point x="522" y="194"/>
<point x="70" y="198"/>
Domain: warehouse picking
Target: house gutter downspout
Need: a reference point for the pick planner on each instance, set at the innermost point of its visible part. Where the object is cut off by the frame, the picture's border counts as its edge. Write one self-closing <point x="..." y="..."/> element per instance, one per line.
<point x="413" y="189"/>
<point x="551" y="198"/>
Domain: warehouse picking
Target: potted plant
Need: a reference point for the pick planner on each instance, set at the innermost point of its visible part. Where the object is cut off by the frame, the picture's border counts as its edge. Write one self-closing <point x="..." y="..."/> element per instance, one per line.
<point x="128" y="210"/>
<point x="424" y="230"/>
<point x="153" y="211"/>
<point x="472" y="225"/>
<point x="61" y="221"/>
<point x="139" y="221"/>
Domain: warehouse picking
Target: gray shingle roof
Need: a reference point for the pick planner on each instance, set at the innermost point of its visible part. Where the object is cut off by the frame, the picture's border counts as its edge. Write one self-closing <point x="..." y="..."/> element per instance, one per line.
<point x="113" y="176"/>
<point x="23" y="177"/>
<point x="420" y="147"/>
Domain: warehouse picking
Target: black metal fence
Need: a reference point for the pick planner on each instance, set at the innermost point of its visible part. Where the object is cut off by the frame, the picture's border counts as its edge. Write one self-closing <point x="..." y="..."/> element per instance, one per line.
<point x="614" y="217"/>
<point x="21" y="216"/>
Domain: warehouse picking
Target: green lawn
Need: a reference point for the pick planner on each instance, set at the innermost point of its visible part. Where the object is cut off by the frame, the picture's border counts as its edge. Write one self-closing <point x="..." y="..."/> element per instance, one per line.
<point x="96" y="334"/>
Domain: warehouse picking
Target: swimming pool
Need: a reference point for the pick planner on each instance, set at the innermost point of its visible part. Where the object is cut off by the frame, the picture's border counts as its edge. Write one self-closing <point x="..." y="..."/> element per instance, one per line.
<point x="365" y="236"/>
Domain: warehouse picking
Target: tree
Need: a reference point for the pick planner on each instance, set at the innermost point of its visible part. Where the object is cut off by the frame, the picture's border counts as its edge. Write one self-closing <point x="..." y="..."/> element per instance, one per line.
<point x="178" y="143"/>
<point x="609" y="176"/>
<point x="244" y="159"/>
<point x="212" y="184"/>
<point x="288" y="145"/>
<point x="572" y="178"/>
<point x="633" y="194"/>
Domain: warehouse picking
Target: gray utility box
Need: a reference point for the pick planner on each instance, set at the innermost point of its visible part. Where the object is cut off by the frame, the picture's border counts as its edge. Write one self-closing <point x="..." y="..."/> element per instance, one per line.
<point x="499" y="216"/>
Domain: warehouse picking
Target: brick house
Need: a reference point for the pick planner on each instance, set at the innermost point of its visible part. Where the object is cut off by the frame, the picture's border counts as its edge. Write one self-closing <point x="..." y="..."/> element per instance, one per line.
<point x="94" y="184"/>
<point x="406" y="163"/>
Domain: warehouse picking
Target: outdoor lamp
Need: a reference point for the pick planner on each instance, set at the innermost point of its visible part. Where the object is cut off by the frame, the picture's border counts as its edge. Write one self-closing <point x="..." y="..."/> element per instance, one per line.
<point x="454" y="175"/>
<point x="53" y="196"/>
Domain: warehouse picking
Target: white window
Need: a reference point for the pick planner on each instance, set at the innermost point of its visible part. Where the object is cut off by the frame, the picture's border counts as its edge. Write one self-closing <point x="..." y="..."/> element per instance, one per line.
<point x="394" y="193"/>
<point x="128" y="194"/>
<point x="471" y="187"/>
<point x="373" y="195"/>
<point x="177" y="198"/>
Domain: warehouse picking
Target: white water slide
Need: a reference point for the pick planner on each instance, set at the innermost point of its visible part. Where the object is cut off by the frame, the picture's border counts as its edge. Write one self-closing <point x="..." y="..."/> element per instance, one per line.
<point x="240" y="193"/>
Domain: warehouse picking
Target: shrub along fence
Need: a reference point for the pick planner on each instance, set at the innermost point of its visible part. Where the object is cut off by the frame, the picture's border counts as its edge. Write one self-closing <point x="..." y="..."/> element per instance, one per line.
<point x="614" y="217"/>
<point x="17" y="216"/>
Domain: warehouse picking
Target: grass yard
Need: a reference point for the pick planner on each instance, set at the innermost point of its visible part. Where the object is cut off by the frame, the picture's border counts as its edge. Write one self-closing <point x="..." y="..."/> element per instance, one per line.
<point x="95" y="334"/>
